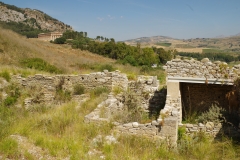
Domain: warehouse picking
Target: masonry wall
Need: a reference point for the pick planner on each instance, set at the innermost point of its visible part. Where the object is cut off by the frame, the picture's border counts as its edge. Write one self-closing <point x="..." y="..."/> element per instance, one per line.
<point x="201" y="69"/>
<point x="199" y="97"/>
<point x="47" y="84"/>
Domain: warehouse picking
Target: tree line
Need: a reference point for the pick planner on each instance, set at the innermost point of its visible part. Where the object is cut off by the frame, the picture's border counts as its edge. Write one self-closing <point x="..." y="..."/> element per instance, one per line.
<point x="212" y="56"/>
<point x="133" y="55"/>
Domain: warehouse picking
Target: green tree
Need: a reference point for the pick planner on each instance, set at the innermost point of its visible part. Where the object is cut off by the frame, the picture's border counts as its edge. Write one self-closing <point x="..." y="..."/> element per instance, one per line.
<point x="60" y="40"/>
<point x="147" y="57"/>
<point x="163" y="55"/>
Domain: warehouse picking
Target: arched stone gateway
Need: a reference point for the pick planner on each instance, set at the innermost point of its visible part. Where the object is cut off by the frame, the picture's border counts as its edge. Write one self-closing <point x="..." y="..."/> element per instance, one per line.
<point x="195" y="85"/>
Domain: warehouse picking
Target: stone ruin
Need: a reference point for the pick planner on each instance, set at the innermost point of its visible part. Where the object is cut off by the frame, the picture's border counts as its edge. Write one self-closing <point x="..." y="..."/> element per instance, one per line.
<point x="198" y="85"/>
<point x="145" y="88"/>
<point x="49" y="36"/>
<point x="189" y="83"/>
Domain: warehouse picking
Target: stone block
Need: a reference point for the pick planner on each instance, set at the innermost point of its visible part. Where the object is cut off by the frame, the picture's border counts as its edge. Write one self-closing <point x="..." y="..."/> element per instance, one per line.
<point x="155" y="123"/>
<point x="128" y="125"/>
<point x="135" y="124"/>
<point x="209" y="125"/>
<point x="189" y="125"/>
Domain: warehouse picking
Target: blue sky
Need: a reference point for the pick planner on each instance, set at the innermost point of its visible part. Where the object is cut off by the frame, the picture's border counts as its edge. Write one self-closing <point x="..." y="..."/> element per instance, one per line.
<point x="129" y="19"/>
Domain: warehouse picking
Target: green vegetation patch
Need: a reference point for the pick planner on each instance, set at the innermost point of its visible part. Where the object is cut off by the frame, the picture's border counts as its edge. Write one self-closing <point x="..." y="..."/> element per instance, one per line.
<point x="212" y="50"/>
<point x="23" y="29"/>
<point x="10" y="148"/>
<point x="212" y="56"/>
<point x="41" y="65"/>
<point x="5" y="75"/>
<point x="184" y="46"/>
<point x="164" y="44"/>
<point x="12" y="7"/>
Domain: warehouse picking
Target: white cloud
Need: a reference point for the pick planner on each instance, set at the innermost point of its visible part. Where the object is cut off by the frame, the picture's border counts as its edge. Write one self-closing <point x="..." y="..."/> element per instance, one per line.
<point x="111" y="17"/>
<point x="100" y="19"/>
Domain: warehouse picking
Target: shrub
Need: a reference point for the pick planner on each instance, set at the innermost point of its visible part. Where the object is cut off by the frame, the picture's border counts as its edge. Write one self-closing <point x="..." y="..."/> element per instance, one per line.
<point x="145" y="69"/>
<point x="130" y="59"/>
<point x="213" y="114"/>
<point x="62" y="95"/>
<point x="10" y="101"/>
<point x="132" y="111"/>
<point x="40" y="64"/>
<point x="78" y="89"/>
<point x="13" y="92"/>
<point x="60" y="40"/>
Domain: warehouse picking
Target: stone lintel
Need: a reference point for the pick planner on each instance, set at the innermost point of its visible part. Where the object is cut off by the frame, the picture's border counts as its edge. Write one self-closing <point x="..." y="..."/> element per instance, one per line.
<point x="200" y="80"/>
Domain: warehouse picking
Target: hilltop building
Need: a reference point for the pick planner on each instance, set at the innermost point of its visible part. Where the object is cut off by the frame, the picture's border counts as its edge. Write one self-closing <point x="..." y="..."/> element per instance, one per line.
<point x="49" y="36"/>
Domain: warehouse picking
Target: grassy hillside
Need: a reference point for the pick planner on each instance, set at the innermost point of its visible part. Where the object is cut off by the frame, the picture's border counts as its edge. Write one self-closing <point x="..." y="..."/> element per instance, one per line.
<point x="15" y="48"/>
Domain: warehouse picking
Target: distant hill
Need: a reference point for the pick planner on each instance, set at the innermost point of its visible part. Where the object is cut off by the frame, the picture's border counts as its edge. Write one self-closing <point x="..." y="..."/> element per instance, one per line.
<point x="220" y="44"/>
<point x="154" y="39"/>
<point x="237" y="34"/>
<point x="33" y="18"/>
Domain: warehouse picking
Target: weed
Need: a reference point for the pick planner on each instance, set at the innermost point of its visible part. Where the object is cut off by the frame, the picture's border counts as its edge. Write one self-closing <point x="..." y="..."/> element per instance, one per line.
<point x="103" y="112"/>
<point x="13" y="92"/>
<point x="98" y="91"/>
<point x="131" y="76"/>
<point x="10" y="148"/>
<point x="62" y="96"/>
<point x="6" y="75"/>
<point x="78" y="89"/>
<point x="181" y="132"/>
<point x="117" y="90"/>
<point x="10" y="101"/>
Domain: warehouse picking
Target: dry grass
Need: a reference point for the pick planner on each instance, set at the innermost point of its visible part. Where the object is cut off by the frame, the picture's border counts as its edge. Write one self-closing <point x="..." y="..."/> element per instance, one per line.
<point x="15" y="48"/>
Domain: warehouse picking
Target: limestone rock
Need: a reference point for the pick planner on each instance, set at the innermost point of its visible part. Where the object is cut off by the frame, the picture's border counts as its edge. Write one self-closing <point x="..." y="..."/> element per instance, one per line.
<point x="135" y="124"/>
<point x="209" y="125"/>
<point x="205" y="60"/>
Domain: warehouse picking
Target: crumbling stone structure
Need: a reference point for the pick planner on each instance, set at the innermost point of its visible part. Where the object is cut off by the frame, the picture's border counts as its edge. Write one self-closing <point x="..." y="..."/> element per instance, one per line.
<point x="49" y="36"/>
<point x="190" y="83"/>
<point x="47" y="85"/>
<point x="196" y="84"/>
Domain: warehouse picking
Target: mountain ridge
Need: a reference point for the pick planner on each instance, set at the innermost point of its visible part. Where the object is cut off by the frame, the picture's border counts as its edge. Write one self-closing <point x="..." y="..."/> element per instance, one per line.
<point x="32" y="17"/>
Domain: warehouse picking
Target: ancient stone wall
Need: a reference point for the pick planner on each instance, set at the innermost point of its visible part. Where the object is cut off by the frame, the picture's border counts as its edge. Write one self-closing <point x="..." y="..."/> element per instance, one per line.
<point x="201" y="69"/>
<point x="145" y="88"/>
<point x="209" y="128"/>
<point x="195" y="85"/>
<point x="150" y="130"/>
<point x="47" y="84"/>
